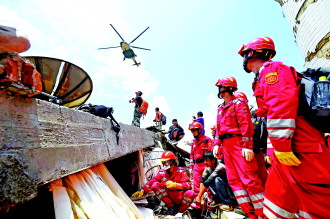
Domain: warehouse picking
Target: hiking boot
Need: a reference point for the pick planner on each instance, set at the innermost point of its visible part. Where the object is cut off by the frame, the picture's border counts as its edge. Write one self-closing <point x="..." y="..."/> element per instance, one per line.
<point x="214" y="204"/>
<point x="226" y="208"/>
<point x="171" y="210"/>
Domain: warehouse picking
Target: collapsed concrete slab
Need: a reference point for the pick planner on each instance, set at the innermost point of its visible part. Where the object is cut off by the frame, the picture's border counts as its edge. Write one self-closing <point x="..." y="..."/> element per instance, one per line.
<point x="42" y="141"/>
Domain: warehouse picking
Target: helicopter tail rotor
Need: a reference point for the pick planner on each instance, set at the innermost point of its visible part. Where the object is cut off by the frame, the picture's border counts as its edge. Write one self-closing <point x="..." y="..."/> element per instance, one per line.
<point x="137" y="64"/>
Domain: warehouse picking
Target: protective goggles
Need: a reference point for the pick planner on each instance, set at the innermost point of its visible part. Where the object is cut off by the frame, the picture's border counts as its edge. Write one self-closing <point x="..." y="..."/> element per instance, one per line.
<point x="167" y="162"/>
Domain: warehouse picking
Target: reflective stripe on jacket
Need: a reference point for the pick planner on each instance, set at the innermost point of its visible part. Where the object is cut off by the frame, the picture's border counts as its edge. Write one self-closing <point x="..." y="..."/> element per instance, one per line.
<point x="287" y="131"/>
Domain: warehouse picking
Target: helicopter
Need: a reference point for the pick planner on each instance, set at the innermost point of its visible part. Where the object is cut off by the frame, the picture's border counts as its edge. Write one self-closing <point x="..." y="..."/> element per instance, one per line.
<point x="127" y="51"/>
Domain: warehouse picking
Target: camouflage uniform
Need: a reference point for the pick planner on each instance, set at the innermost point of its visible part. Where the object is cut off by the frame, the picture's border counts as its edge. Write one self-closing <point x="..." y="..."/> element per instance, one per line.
<point x="136" y="117"/>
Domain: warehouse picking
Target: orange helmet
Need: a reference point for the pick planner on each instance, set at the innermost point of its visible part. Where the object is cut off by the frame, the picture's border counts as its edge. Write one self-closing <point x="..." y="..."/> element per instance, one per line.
<point x="195" y="125"/>
<point x="241" y="95"/>
<point x="167" y="155"/>
<point x="227" y="82"/>
<point x="259" y="44"/>
<point x="214" y="127"/>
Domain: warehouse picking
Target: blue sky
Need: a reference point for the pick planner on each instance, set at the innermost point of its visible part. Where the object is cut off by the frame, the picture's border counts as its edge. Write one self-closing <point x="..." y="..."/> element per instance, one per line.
<point x="193" y="43"/>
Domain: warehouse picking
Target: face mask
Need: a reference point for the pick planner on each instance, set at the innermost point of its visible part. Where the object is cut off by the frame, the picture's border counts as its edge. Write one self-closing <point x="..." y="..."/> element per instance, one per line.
<point x="167" y="167"/>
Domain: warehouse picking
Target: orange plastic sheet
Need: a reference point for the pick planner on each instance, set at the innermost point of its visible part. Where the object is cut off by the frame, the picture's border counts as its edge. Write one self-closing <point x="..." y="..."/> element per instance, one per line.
<point x="93" y="194"/>
<point x="142" y="176"/>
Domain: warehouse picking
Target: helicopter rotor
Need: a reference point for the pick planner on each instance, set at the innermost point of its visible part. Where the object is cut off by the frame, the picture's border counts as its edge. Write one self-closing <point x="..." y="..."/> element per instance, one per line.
<point x="140" y="48"/>
<point x="109" y="47"/>
<point x="117" y="32"/>
<point x="138" y="35"/>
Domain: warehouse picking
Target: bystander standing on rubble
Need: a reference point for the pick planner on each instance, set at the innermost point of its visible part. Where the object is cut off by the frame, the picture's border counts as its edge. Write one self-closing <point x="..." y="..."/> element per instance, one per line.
<point x="137" y="114"/>
<point x="158" y="119"/>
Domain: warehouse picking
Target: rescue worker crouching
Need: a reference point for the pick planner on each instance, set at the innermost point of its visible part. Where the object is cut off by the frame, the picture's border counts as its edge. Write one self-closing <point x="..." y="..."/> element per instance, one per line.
<point x="299" y="180"/>
<point x="175" y="132"/>
<point x="235" y="135"/>
<point x="171" y="185"/>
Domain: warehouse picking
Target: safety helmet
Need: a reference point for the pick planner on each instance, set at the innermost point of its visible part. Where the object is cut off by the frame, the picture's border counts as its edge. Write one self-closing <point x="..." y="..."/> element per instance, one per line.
<point x="139" y="93"/>
<point x="214" y="127"/>
<point x="241" y="95"/>
<point x="195" y="125"/>
<point x="262" y="47"/>
<point x="259" y="44"/>
<point x="167" y="155"/>
<point x="227" y="82"/>
<point x="199" y="113"/>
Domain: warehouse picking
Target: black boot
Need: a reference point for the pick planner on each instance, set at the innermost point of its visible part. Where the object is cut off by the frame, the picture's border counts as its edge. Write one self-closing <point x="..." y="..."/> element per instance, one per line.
<point x="171" y="210"/>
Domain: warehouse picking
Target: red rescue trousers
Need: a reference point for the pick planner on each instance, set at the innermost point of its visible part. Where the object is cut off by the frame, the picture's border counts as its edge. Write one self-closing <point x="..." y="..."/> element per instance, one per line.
<point x="171" y="197"/>
<point x="304" y="189"/>
<point x="262" y="171"/>
<point x="243" y="178"/>
<point x="197" y="175"/>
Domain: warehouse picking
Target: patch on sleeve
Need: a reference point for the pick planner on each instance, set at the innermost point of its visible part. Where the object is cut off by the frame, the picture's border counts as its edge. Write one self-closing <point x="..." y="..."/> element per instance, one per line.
<point x="271" y="78"/>
<point x="245" y="109"/>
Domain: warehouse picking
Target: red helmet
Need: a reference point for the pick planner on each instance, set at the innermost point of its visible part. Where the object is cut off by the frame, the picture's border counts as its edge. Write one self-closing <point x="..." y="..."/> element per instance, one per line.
<point x="195" y="125"/>
<point x="214" y="127"/>
<point x="259" y="44"/>
<point x="241" y="95"/>
<point x="167" y="155"/>
<point x="227" y="82"/>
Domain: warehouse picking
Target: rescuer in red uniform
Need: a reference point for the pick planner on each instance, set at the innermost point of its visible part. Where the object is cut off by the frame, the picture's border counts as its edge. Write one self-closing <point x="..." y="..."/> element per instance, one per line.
<point x="235" y="132"/>
<point x="171" y="185"/>
<point x="299" y="180"/>
<point x="258" y="154"/>
<point x="199" y="146"/>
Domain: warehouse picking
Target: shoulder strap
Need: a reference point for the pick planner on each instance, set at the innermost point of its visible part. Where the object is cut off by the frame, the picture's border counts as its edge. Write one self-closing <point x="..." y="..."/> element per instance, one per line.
<point x="116" y="127"/>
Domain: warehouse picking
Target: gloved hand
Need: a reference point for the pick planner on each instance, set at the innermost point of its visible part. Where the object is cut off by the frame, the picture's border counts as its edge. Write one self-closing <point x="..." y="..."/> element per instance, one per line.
<point x="247" y="154"/>
<point x="215" y="151"/>
<point x="287" y="158"/>
<point x="138" y="194"/>
<point x="170" y="184"/>
<point x="268" y="160"/>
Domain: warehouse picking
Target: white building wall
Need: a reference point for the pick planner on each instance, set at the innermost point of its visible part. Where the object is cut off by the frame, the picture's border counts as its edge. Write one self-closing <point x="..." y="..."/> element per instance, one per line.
<point x="310" y="21"/>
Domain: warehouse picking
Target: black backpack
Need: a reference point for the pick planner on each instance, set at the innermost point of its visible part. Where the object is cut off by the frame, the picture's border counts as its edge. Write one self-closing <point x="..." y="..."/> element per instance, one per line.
<point x="260" y="134"/>
<point x="104" y="112"/>
<point x="314" y="98"/>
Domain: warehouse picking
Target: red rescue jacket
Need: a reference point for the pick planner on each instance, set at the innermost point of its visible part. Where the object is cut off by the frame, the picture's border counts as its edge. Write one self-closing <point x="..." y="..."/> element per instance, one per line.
<point x="179" y="176"/>
<point x="198" y="147"/>
<point x="278" y="96"/>
<point x="234" y="117"/>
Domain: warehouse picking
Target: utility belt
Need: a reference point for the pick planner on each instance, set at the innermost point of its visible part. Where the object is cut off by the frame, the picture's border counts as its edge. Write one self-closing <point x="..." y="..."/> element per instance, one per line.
<point x="200" y="160"/>
<point x="228" y="135"/>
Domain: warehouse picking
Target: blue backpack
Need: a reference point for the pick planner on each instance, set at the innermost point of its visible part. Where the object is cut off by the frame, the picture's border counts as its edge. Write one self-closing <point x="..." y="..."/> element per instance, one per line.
<point x="163" y="119"/>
